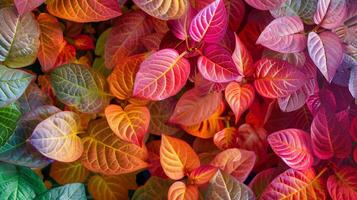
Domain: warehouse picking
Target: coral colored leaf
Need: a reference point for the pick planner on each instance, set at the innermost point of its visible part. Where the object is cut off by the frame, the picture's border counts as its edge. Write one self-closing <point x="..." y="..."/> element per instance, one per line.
<point x="226" y="138"/>
<point x="295" y="184"/>
<point x="161" y="75"/>
<point x="242" y="58"/>
<point x="276" y="78"/>
<point x="325" y="51"/>
<point x="111" y="187"/>
<point x="84" y="10"/>
<point x="330" y="13"/>
<point x="262" y="180"/>
<point x="237" y="162"/>
<point x="264" y="4"/>
<point x="25" y="6"/>
<point x="210" y="24"/>
<point x="67" y="54"/>
<point x="202" y="174"/>
<point x="224" y="186"/>
<point x="129" y="124"/>
<point x="177" y="157"/>
<point x="13" y="83"/>
<point x="121" y="80"/>
<point x="154" y="189"/>
<point x="163" y="9"/>
<point x="19" y="38"/>
<point x="9" y="116"/>
<point x="83" y="42"/>
<point x="329" y="137"/>
<point x="104" y="152"/>
<point x="293" y="146"/>
<point x="284" y="35"/>
<point x="343" y="185"/>
<point x="193" y="107"/>
<point x="70" y="191"/>
<point x="239" y="97"/>
<point x="56" y="137"/>
<point x="179" y="191"/>
<point x="124" y="38"/>
<point x="80" y="87"/>
<point x="217" y="65"/>
<point x="64" y="173"/>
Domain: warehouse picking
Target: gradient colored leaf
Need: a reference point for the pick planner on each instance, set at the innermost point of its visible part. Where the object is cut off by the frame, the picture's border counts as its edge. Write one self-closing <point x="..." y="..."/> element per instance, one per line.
<point x="217" y="65"/>
<point x="129" y="124"/>
<point x="237" y="162"/>
<point x="101" y="41"/>
<point x="342" y="185"/>
<point x="325" y="51"/>
<point x="19" y="38"/>
<point x="239" y="97"/>
<point x="179" y="191"/>
<point x="330" y="13"/>
<point x="84" y="10"/>
<point x="202" y="175"/>
<point x="9" y="116"/>
<point x="25" y="6"/>
<point x="293" y="146"/>
<point x="161" y="75"/>
<point x="105" y="153"/>
<point x="150" y="190"/>
<point x="264" y="4"/>
<point x="64" y="173"/>
<point x="56" y="137"/>
<point x="163" y="9"/>
<point x="287" y="8"/>
<point x="226" y="138"/>
<point x="276" y="78"/>
<point x="75" y="191"/>
<point x="177" y="157"/>
<point x="225" y="186"/>
<point x="155" y="167"/>
<point x="80" y="87"/>
<point x="210" y="23"/>
<point x="285" y="34"/>
<point x="242" y="58"/>
<point x="262" y="180"/>
<point x="32" y="98"/>
<point x="180" y="27"/>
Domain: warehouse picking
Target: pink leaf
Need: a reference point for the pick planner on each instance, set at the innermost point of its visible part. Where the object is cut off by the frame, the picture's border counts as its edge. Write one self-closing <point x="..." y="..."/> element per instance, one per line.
<point x="264" y="4"/>
<point x="210" y="24"/>
<point x="284" y="35"/>
<point x="180" y="27"/>
<point x="161" y="75"/>
<point x="293" y="147"/>
<point x="352" y="84"/>
<point x="24" y="6"/>
<point x="343" y="185"/>
<point x="325" y="51"/>
<point x="330" y="13"/>
<point x="276" y="78"/>
<point x="217" y="65"/>
<point x="242" y="58"/>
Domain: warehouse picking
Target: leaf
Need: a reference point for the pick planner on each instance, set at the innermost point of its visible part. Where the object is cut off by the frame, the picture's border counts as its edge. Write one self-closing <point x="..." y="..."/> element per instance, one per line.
<point x="154" y="189"/>
<point x="18" y="182"/>
<point x="239" y="97"/>
<point x="9" y="116"/>
<point x="64" y="173"/>
<point x="80" y="87"/>
<point x="202" y="174"/>
<point x="105" y="153"/>
<point x="224" y="186"/>
<point x="287" y="8"/>
<point x="111" y="187"/>
<point x="293" y="146"/>
<point x="237" y="162"/>
<point x="217" y="65"/>
<point x="295" y="184"/>
<point x="161" y="75"/>
<point x="56" y="137"/>
<point x="84" y="10"/>
<point x="179" y="191"/>
<point x="352" y="83"/>
<point x="276" y="78"/>
<point x="19" y="38"/>
<point x="124" y="38"/>
<point x="262" y="180"/>
<point x="193" y="107"/>
<point x="32" y="98"/>
<point x="160" y="112"/>
<point x="284" y="35"/>
<point x="226" y="138"/>
<point x="163" y="9"/>
<point x="25" y="6"/>
<point x="100" y="45"/>
<point x="121" y="80"/>
<point x="180" y="27"/>
<point x="330" y="13"/>
<point x="210" y="23"/>
<point x="342" y="185"/>
<point x="242" y="58"/>
<point x="129" y="124"/>
<point x="329" y="137"/>
<point x="177" y="157"/>
<point x="264" y="4"/>
<point x="236" y="10"/>
<point x="325" y="51"/>
<point x="75" y="191"/>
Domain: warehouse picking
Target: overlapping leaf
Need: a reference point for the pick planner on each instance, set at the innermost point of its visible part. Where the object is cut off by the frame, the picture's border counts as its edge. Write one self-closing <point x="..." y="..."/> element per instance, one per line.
<point x="150" y="190"/>
<point x="160" y="113"/>
<point x="242" y="58"/>
<point x="25" y="6"/>
<point x="164" y="9"/>
<point x="330" y="13"/>
<point x="226" y="138"/>
<point x="70" y="191"/>
<point x="264" y="4"/>
<point x="202" y="174"/>
<point x="9" y="116"/>
<point x="343" y="184"/>
<point x="179" y="191"/>
<point x="64" y="173"/>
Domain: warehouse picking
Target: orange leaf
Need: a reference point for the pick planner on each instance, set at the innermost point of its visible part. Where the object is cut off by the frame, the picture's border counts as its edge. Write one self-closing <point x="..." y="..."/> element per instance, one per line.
<point x="64" y="173"/>
<point x="179" y="191"/>
<point x="226" y="138"/>
<point x="177" y="157"/>
<point x="202" y="174"/>
<point x="130" y="124"/>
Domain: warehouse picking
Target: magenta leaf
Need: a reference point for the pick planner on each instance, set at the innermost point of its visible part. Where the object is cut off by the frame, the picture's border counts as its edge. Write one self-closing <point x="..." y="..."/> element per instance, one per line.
<point x="264" y="4"/>
<point x="330" y="13"/>
<point x="343" y="184"/>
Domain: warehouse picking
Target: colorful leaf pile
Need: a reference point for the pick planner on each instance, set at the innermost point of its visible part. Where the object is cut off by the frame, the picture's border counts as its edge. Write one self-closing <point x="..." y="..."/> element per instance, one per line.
<point x="178" y="99"/>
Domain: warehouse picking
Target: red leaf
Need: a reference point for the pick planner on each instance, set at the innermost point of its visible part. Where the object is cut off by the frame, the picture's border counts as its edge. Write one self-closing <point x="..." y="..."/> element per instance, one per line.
<point x="84" y="42"/>
<point x="330" y="13"/>
<point x="343" y="185"/>
<point x="202" y="175"/>
<point x="236" y="11"/>
<point x="264" y="4"/>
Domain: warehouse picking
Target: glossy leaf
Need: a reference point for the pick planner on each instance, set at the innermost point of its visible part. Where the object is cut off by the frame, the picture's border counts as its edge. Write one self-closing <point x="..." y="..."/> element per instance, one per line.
<point x="64" y="173"/>
<point x="342" y="185"/>
<point x="330" y="13"/>
<point x="202" y="174"/>
<point x="177" y="157"/>
<point x="9" y="116"/>
<point x="163" y="9"/>
<point x="179" y="191"/>
<point x="75" y="191"/>
<point x="264" y="4"/>
<point x="242" y="58"/>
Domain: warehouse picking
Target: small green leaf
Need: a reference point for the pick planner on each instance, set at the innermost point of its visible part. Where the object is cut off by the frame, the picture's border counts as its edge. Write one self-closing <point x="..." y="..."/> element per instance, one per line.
<point x="74" y="191"/>
<point x="99" y="65"/>
<point x="8" y="118"/>
<point x="99" y="47"/>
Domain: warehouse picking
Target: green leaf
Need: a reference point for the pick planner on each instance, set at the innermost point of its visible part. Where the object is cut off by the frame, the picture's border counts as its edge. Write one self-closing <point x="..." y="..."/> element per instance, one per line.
<point x="81" y="87"/>
<point x="19" y="38"/>
<point x="13" y="83"/>
<point x="8" y="118"/>
<point x="99" y="47"/>
<point x="99" y="65"/>
<point x="19" y="183"/>
<point x="307" y="10"/>
<point x="74" y="191"/>
<point x="154" y="189"/>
